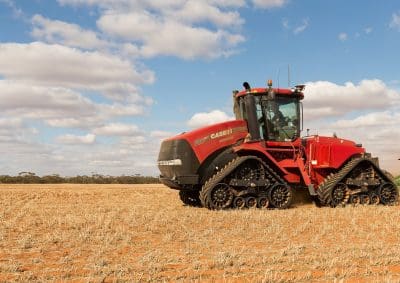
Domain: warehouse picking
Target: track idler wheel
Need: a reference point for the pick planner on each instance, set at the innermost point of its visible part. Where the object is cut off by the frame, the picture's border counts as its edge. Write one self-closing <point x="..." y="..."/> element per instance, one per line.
<point x="388" y="193"/>
<point x="221" y="196"/>
<point x="239" y="202"/>
<point x="262" y="202"/>
<point x="281" y="196"/>
<point x="340" y="195"/>
<point x="251" y="202"/>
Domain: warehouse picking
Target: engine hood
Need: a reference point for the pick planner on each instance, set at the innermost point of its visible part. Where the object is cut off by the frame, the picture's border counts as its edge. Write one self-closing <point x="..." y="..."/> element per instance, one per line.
<point x="208" y="139"/>
<point x="330" y="152"/>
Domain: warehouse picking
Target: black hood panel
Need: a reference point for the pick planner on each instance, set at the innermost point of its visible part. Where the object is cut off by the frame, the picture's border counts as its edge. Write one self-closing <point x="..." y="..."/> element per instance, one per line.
<point x="177" y="149"/>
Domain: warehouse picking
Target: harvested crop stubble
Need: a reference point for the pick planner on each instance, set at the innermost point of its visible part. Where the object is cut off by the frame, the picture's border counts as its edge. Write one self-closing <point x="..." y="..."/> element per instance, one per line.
<point x="143" y="233"/>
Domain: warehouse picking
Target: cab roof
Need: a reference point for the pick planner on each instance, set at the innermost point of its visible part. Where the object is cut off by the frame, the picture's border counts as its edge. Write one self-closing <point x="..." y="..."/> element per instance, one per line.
<point x="294" y="92"/>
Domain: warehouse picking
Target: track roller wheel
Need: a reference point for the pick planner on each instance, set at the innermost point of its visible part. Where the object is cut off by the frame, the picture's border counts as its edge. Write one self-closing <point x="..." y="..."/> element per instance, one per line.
<point x="374" y="199"/>
<point x="221" y="196"/>
<point x="388" y="193"/>
<point x="251" y="202"/>
<point x="262" y="202"/>
<point x="280" y="196"/>
<point x="340" y="195"/>
<point x="365" y="200"/>
<point x="355" y="199"/>
<point x="239" y="202"/>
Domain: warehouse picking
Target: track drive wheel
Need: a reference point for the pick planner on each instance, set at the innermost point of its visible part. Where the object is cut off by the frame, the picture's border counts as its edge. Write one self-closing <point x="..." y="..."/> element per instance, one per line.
<point x="388" y="193"/>
<point x="340" y="195"/>
<point x="190" y="198"/>
<point x="281" y="196"/>
<point x="220" y="197"/>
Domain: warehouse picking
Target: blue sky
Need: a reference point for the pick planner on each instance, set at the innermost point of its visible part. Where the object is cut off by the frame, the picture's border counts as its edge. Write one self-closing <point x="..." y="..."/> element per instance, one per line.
<point x="93" y="86"/>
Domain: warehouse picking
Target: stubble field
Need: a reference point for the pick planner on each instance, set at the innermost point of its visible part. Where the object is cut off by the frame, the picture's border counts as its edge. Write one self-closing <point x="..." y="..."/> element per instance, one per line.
<point x="141" y="233"/>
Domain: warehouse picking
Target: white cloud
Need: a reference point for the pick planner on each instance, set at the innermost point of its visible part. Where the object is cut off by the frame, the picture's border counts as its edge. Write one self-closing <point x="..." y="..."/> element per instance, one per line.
<point x="375" y="119"/>
<point x="228" y="3"/>
<point x="13" y="129"/>
<point x="368" y="30"/>
<point x="60" y="66"/>
<point x="117" y="129"/>
<point x="343" y="36"/>
<point x="10" y="123"/>
<point x="74" y="139"/>
<point x="58" y="107"/>
<point x="267" y="4"/>
<point x="187" y="29"/>
<point x="160" y="134"/>
<point x="26" y="100"/>
<point x="194" y="11"/>
<point x="171" y="4"/>
<point x="208" y="118"/>
<point x="159" y="36"/>
<point x="395" y="22"/>
<point x="296" y="29"/>
<point x="45" y="82"/>
<point x="324" y="98"/>
<point x="54" y="31"/>
<point x="302" y="27"/>
<point x="134" y="141"/>
<point x="130" y="50"/>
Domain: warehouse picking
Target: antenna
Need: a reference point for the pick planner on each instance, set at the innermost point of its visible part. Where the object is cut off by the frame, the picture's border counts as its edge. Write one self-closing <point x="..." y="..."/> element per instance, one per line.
<point x="288" y="75"/>
<point x="279" y="72"/>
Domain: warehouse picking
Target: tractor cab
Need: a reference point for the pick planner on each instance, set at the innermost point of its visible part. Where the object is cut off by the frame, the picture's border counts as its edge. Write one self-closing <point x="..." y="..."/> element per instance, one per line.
<point x="271" y="114"/>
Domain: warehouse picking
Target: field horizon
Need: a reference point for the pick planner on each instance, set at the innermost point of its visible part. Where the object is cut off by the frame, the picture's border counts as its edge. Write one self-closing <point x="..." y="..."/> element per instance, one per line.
<point x="143" y="233"/>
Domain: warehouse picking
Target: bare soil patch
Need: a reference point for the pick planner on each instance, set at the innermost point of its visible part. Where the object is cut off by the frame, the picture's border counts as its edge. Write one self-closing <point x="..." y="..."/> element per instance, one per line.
<point x="141" y="233"/>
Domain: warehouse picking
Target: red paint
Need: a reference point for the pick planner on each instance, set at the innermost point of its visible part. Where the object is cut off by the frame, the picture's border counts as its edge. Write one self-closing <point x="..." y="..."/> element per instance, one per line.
<point x="206" y="141"/>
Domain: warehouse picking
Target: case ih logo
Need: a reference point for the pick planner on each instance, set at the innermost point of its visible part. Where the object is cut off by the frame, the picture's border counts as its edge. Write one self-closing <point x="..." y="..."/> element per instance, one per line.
<point x="219" y="134"/>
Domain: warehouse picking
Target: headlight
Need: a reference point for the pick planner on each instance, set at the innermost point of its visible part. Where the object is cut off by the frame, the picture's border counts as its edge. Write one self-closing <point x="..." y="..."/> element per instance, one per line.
<point x="173" y="162"/>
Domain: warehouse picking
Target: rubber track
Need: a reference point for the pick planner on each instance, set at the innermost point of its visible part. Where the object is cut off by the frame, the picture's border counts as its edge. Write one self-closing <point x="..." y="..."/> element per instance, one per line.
<point x="226" y="170"/>
<point x="325" y="188"/>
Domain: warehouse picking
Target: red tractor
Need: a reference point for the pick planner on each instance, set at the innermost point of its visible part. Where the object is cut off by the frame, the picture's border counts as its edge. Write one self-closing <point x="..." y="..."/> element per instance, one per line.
<point x="260" y="159"/>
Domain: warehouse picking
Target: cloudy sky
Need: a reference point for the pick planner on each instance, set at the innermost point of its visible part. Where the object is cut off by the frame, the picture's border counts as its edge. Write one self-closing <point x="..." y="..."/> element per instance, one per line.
<point x="92" y="86"/>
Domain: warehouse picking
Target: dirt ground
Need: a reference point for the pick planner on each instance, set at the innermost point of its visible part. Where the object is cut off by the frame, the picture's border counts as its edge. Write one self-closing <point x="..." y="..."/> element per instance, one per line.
<point x="142" y="233"/>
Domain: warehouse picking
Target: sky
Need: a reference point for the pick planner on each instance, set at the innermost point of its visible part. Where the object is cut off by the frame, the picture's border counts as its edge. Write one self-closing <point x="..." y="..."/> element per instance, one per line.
<point x="93" y="86"/>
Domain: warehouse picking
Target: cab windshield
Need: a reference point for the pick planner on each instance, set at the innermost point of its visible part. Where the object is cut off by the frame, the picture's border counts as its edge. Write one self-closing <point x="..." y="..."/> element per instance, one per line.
<point x="279" y="118"/>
